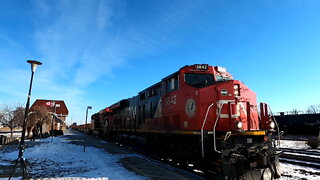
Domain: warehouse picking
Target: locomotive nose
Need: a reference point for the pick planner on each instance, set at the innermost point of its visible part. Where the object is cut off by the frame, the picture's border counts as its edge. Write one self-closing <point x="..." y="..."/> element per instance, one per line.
<point x="238" y="106"/>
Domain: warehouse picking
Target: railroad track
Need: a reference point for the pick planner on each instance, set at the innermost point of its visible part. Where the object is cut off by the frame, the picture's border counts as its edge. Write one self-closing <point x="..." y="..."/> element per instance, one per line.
<point x="309" y="158"/>
<point x="315" y="152"/>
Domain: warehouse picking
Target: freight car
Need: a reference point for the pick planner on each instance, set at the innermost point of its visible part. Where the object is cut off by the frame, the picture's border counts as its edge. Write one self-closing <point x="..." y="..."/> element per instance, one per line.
<point x="198" y="115"/>
<point x="299" y="124"/>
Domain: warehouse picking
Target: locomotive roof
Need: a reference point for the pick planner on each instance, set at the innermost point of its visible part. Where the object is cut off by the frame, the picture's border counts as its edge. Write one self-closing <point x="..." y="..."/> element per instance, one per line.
<point x="150" y="87"/>
<point x="119" y="105"/>
<point x="168" y="77"/>
<point x="124" y="102"/>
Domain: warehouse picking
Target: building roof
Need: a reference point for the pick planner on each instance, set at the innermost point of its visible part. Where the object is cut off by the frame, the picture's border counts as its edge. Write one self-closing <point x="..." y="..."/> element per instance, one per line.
<point x="62" y="110"/>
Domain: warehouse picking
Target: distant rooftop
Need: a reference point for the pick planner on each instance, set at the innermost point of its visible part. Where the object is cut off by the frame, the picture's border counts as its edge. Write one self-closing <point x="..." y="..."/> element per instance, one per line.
<point x="62" y="110"/>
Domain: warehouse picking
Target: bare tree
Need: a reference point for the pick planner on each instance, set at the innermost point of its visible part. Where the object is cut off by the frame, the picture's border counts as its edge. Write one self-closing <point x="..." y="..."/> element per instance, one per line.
<point x="294" y="111"/>
<point x="12" y="117"/>
<point x="39" y="116"/>
<point x="313" y="109"/>
<point x="33" y="118"/>
<point x="1" y="115"/>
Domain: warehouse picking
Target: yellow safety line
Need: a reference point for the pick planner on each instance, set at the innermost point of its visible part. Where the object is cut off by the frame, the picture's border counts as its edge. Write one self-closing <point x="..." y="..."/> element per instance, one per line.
<point x="250" y="133"/>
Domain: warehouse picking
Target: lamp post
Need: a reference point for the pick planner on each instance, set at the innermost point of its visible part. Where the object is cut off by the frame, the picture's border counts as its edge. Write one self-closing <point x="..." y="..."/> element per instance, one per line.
<point x="21" y="159"/>
<point x="85" y="129"/>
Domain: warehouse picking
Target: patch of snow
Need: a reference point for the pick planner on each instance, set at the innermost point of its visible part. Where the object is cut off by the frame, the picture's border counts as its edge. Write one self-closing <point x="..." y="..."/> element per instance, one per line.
<point x="294" y="144"/>
<point x="8" y="134"/>
<point x="5" y="164"/>
<point x="74" y="178"/>
<point x="71" y="132"/>
<point x="103" y="142"/>
<point x="59" y="159"/>
<point x="297" y="172"/>
<point x="13" y="178"/>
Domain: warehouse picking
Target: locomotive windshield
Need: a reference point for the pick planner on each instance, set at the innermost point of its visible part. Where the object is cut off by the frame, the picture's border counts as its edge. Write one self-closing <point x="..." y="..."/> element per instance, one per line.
<point x="198" y="80"/>
<point x="222" y="78"/>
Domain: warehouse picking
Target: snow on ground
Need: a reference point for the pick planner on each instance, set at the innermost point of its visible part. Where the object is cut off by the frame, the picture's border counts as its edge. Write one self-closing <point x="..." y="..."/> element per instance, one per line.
<point x="61" y="160"/>
<point x="294" y="144"/>
<point x="8" y="134"/>
<point x="296" y="172"/>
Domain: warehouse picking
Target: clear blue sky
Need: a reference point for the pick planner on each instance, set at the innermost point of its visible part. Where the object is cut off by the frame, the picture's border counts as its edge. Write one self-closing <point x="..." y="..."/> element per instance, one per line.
<point x="98" y="52"/>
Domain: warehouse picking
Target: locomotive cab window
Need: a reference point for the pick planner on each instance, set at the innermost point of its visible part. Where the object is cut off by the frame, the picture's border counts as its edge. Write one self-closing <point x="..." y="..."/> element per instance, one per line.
<point x="172" y="84"/>
<point x="222" y="78"/>
<point x="199" y="80"/>
<point x="142" y="96"/>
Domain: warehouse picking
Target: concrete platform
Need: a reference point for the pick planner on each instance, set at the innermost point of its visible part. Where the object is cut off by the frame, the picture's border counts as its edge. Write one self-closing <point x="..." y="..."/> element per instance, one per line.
<point x="137" y="163"/>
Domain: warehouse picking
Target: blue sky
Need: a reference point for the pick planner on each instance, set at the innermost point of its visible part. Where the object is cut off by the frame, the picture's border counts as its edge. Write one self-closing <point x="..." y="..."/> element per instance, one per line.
<point x="96" y="52"/>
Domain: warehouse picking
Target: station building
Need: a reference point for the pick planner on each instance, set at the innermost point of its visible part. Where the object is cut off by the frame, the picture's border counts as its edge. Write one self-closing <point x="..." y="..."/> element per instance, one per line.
<point x="56" y="109"/>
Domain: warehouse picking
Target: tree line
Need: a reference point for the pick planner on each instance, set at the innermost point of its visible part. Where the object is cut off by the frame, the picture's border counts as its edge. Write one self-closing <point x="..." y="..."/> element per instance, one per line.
<point x="312" y="109"/>
<point x="12" y="116"/>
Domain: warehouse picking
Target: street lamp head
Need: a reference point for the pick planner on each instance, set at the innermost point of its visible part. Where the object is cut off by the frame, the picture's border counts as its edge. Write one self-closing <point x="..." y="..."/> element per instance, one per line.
<point x="34" y="64"/>
<point x="89" y="107"/>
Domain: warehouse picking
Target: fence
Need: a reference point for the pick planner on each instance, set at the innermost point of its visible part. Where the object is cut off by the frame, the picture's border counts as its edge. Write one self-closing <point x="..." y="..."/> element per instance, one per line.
<point x="7" y="140"/>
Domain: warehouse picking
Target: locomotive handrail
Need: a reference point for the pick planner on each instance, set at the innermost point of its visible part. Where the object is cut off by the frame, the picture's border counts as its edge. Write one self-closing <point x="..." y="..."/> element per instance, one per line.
<point x="228" y="134"/>
<point x="255" y="120"/>
<point x="204" y="122"/>
<point x="214" y="128"/>
<point x="275" y="121"/>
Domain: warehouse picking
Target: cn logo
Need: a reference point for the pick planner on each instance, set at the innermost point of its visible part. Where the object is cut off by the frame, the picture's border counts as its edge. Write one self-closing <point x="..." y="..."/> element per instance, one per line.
<point x="49" y="104"/>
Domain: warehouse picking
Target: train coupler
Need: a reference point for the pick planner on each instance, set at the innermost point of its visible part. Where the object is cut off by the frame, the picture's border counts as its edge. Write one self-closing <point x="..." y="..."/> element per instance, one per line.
<point x="234" y="165"/>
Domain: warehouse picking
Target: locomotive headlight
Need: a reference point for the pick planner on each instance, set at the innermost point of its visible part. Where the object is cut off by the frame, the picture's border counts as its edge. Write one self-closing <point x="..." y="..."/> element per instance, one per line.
<point x="272" y="125"/>
<point x="236" y="93"/>
<point x="239" y="125"/>
<point x="236" y="90"/>
<point x="236" y="87"/>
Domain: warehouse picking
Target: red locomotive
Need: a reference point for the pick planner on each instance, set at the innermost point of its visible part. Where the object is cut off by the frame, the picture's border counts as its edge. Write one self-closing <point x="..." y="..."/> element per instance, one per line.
<point x="198" y="115"/>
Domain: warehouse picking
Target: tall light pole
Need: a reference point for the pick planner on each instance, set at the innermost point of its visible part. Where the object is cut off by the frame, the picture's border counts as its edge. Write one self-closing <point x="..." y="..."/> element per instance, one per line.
<point x="21" y="159"/>
<point x="85" y="129"/>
